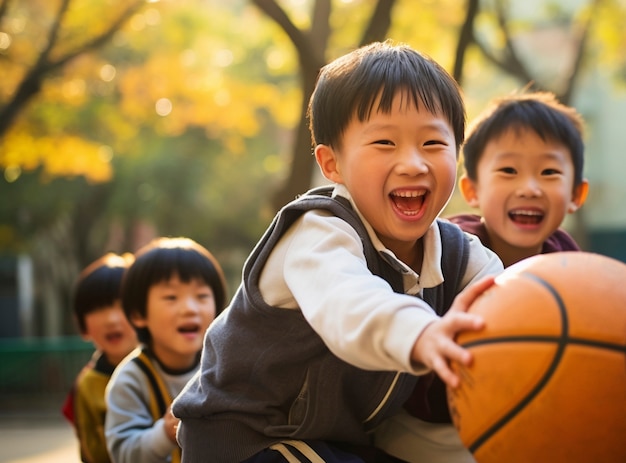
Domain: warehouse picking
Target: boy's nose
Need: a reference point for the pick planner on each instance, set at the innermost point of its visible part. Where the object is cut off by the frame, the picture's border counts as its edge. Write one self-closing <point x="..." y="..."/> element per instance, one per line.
<point x="411" y="162"/>
<point x="529" y="188"/>
<point x="191" y="304"/>
<point x="114" y="316"/>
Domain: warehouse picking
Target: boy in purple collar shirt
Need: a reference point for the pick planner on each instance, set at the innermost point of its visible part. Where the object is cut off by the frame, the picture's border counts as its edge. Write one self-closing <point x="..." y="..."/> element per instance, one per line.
<point x="523" y="161"/>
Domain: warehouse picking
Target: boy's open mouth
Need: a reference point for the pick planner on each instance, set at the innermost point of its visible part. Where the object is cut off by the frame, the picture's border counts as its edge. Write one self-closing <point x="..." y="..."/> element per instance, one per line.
<point x="526" y="217"/>
<point x="189" y="328"/>
<point x="114" y="336"/>
<point x="408" y="202"/>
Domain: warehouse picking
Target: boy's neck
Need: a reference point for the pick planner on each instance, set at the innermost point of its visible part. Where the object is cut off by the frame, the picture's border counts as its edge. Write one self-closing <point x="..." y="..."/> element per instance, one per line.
<point x="413" y="256"/>
<point x="510" y="255"/>
<point x="113" y="359"/>
<point x="175" y="364"/>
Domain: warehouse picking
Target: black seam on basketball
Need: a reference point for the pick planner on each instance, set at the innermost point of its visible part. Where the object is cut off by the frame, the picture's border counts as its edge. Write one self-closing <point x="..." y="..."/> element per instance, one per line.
<point x="561" y="342"/>
<point x="599" y="344"/>
<point x="546" y="339"/>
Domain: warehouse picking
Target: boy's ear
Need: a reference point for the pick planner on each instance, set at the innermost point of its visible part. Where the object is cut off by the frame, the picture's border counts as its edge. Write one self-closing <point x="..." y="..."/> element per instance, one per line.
<point x="137" y="320"/>
<point x="579" y="196"/>
<point x="327" y="161"/>
<point x="468" y="190"/>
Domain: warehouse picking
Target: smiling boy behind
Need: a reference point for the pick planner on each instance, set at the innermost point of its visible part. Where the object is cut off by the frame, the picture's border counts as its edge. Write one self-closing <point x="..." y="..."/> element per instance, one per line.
<point x="523" y="159"/>
<point x="101" y="320"/>
<point x="523" y="162"/>
<point x="171" y="294"/>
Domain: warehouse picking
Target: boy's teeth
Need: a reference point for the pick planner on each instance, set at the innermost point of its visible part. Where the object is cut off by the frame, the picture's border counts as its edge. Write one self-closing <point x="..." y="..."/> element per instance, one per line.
<point x="409" y="194"/>
<point x="526" y="213"/>
<point x="527" y="217"/>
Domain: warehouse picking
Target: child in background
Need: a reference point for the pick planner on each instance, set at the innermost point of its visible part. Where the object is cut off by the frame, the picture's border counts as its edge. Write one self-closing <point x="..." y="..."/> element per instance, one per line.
<point x="523" y="162"/>
<point x="170" y="294"/>
<point x="101" y="320"/>
<point x="341" y="299"/>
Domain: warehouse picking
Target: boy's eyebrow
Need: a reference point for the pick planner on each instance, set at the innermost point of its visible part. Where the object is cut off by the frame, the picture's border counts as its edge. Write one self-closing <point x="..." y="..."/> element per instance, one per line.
<point x="556" y="154"/>
<point x="551" y="154"/>
<point x="509" y="155"/>
<point x="439" y="126"/>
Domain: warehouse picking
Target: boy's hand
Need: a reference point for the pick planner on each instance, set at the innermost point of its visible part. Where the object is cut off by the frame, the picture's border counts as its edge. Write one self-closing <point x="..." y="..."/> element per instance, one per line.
<point x="436" y="346"/>
<point x="171" y="423"/>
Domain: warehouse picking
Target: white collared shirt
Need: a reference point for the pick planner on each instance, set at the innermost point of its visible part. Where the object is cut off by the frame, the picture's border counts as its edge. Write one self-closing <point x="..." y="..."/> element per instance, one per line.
<point x="319" y="267"/>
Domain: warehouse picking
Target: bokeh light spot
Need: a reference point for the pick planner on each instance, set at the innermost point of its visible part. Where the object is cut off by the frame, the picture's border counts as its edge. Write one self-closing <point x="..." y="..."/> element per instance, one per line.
<point x="163" y="107"/>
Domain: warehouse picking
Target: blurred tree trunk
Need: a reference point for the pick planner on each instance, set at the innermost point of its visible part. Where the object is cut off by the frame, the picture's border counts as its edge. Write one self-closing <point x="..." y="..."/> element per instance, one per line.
<point x="466" y="36"/>
<point x="311" y="48"/>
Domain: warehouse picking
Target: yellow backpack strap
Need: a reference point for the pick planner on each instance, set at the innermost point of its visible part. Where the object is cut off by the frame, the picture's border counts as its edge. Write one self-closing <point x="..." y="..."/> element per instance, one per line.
<point x="160" y="397"/>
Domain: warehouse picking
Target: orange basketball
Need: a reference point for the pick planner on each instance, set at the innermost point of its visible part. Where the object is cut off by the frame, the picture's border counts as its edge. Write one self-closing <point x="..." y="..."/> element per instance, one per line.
<point x="548" y="380"/>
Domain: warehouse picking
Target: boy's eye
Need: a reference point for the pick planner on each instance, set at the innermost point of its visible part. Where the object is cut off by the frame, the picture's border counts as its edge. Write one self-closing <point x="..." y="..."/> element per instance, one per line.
<point x="508" y="170"/>
<point x="550" y="172"/>
<point x="435" y="142"/>
<point x="384" y="142"/>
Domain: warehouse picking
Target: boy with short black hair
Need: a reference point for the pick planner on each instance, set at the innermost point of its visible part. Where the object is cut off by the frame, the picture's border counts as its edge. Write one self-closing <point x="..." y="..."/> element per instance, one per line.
<point x="523" y="161"/>
<point x="101" y="320"/>
<point x="323" y="339"/>
<point x="171" y="294"/>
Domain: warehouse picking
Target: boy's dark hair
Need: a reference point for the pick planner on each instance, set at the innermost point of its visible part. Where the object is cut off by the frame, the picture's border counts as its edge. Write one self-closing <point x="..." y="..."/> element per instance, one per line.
<point x="352" y="85"/>
<point x="99" y="285"/>
<point x="159" y="261"/>
<point x="540" y="112"/>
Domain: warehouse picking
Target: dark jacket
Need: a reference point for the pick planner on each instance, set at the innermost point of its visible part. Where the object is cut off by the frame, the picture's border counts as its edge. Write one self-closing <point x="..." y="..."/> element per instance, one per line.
<point x="266" y="376"/>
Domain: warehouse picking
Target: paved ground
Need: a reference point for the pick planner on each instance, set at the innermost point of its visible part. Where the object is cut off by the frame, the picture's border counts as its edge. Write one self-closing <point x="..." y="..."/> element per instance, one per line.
<point x="33" y="439"/>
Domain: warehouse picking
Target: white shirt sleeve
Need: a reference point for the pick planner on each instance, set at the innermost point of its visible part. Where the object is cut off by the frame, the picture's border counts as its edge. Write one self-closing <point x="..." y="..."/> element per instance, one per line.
<point x="319" y="267"/>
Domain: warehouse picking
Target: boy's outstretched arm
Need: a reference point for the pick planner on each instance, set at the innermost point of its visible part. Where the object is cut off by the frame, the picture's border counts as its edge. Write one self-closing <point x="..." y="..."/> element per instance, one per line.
<point x="436" y="346"/>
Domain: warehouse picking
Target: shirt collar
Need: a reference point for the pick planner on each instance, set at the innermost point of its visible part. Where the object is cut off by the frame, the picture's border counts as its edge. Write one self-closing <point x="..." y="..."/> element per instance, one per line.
<point x="431" y="274"/>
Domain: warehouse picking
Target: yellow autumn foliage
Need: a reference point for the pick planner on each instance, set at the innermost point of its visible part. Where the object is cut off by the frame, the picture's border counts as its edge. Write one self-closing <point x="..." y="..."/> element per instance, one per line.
<point x="178" y="64"/>
<point x="61" y="156"/>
